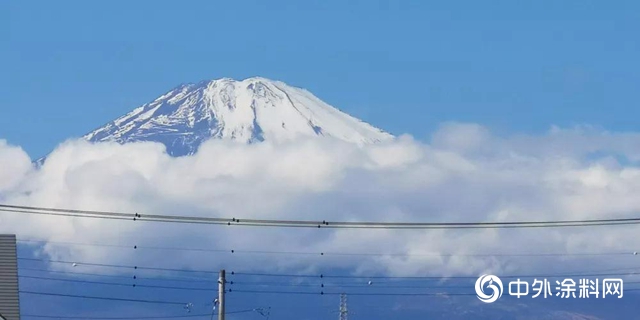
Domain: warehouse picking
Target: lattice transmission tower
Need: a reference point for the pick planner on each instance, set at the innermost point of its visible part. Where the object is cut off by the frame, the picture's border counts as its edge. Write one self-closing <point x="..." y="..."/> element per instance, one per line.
<point x="344" y="311"/>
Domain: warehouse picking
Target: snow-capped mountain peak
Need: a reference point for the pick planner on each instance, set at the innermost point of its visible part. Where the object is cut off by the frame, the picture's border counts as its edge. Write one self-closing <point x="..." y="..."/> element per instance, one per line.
<point x="252" y="110"/>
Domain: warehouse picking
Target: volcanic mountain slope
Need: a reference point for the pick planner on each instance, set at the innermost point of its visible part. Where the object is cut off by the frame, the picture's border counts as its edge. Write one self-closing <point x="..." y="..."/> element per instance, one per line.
<point x="251" y="110"/>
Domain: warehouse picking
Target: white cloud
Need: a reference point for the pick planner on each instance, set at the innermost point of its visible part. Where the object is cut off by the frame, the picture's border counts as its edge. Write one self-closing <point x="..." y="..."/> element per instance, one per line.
<point x="465" y="174"/>
<point x="14" y="165"/>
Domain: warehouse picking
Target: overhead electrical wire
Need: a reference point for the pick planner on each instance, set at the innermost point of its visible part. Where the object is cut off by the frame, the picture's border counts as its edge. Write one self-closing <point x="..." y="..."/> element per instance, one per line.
<point x="131" y="285"/>
<point x="117" y="266"/>
<point x="260" y="284"/>
<point x="104" y="245"/>
<point x="263" y="283"/>
<point x="315" y="224"/>
<point x="232" y="285"/>
<point x="133" y="318"/>
<point x="332" y="276"/>
<point x="77" y="273"/>
<point x="300" y="224"/>
<point x="329" y="276"/>
<point x="328" y="253"/>
<point x="378" y="285"/>
<point x="354" y="293"/>
<point x="134" y="277"/>
<point x="102" y="298"/>
<point x="233" y="290"/>
<point x="71" y="215"/>
<point x="321" y="293"/>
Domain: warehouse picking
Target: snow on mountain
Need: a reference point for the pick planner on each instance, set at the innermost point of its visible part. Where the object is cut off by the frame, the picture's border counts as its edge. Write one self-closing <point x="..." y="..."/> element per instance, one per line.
<point x="252" y="110"/>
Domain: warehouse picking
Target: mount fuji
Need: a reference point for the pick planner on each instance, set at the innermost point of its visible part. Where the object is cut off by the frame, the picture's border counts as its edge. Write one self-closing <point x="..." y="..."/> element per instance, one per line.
<point x="252" y="110"/>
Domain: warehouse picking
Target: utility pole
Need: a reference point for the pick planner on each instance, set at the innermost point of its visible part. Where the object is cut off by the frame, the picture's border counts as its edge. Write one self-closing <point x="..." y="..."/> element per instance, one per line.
<point x="344" y="311"/>
<point x="221" y="284"/>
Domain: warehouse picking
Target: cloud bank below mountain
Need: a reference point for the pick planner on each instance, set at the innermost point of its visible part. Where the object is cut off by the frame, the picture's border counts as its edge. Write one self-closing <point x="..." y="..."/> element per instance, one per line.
<point x="464" y="173"/>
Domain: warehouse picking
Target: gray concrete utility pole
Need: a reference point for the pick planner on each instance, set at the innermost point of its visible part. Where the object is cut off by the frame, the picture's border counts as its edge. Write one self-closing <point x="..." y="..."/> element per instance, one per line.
<point x="221" y="284"/>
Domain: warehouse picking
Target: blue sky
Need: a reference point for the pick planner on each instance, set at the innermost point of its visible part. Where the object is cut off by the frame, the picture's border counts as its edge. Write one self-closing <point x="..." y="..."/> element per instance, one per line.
<point x="405" y="66"/>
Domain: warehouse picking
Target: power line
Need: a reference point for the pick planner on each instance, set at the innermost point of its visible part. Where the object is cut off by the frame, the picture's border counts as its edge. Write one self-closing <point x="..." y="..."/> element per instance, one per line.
<point x="329" y="253"/>
<point x="144" y="317"/>
<point x="117" y="266"/>
<point x="332" y="276"/>
<point x="132" y="285"/>
<point x="254" y="292"/>
<point x="42" y="241"/>
<point x="257" y="284"/>
<point x="376" y="285"/>
<point x="71" y="215"/>
<point x="341" y="285"/>
<point x="315" y="224"/>
<point x="79" y="273"/>
<point x="321" y="293"/>
<point x="322" y="276"/>
<point x="134" y="277"/>
<point x="102" y="298"/>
